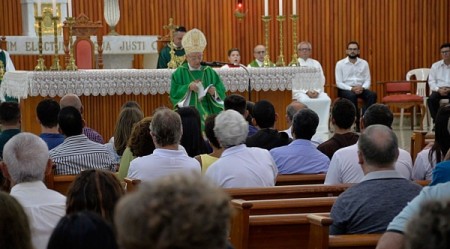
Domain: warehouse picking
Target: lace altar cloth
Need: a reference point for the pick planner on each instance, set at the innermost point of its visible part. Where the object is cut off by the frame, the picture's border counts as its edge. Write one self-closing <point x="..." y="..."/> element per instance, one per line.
<point x="21" y="84"/>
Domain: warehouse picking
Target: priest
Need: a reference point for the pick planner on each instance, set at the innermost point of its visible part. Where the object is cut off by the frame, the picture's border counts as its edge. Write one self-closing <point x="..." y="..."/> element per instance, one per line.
<point x="196" y="85"/>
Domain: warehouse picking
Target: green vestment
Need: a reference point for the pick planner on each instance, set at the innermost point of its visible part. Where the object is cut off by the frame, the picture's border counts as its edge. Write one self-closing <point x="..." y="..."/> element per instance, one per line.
<point x="164" y="56"/>
<point x="3" y="59"/>
<point x="255" y="64"/>
<point x="180" y="93"/>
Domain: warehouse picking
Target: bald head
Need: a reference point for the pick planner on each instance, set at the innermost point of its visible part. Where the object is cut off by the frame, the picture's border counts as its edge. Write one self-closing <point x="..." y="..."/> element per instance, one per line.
<point x="293" y="108"/>
<point x="71" y="99"/>
<point x="259" y="52"/>
<point x="378" y="147"/>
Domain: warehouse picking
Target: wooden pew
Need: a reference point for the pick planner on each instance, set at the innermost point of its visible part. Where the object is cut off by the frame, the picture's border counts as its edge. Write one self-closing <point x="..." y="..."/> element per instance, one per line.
<point x="273" y="232"/>
<point x="257" y="219"/>
<point x="300" y="179"/>
<point x="59" y="183"/>
<point x="423" y="183"/>
<point x="285" y="192"/>
<point x="320" y="239"/>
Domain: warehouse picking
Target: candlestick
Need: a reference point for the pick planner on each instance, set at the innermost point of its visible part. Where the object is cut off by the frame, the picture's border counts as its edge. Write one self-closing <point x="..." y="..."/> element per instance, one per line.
<point x="267" y="62"/>
<point x="69" y="8"/>
<point x="39" y="8"/>
<point x="54" y="7"/>
<point x="266" y="7"/>
<point x="71" y="65"/>
<point x="55" y="66"/>
<point x="280" y="7"/>
<point x="294" y="7"/>
<point x="40" y="66"/>
<point x="280" y="60"/>
<point x="294" y="61"/>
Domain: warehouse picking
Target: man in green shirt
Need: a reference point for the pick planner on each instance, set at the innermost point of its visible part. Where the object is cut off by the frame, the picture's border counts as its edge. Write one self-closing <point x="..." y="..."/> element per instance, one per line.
<point x="259" y="52"/>
<point x="164" y="55"/>
<point x="196" y="85"/>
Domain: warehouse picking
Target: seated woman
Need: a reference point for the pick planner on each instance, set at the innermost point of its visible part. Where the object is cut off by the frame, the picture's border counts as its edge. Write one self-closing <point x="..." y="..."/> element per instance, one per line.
<point x="427" y="159"/>
<point x="192" y="139"/>
<point x="14" y="226"/>
<point x="94" y="190"/>
<point x="139" y="144"/>
<point x="207" y="159"/>
<point x="82" y="230"/>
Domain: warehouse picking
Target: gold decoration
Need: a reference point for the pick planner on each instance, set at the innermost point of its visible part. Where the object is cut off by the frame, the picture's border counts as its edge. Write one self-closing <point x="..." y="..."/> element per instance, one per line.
<point x="71" y="65"/>
<point x="280" y="60"/>
<point x="175" y="61"/>
<point x="55" y="66"/>
<point x="47" y="21"/>
<point x="194" y="41"/>
<point x="267" y="62"/>
<point x="40" y="65"/>
<point x="2" y="70"/>
<point x="294" y="61"/>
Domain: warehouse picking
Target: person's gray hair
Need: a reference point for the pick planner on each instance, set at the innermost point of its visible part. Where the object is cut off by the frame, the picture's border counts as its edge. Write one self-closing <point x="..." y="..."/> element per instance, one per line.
<point x="306" y="43"/>
<point x="71" y="99"/>
<point x="231" y="128"/>
<point x="26" y="156"/>
<point x="293" y="108"/>
<point x="166" y="127"/>
<point x="379" y="146"/>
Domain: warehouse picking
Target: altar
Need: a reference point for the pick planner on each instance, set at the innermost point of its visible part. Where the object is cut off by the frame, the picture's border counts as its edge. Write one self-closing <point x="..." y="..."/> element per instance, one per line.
<point x="103" y="92"/>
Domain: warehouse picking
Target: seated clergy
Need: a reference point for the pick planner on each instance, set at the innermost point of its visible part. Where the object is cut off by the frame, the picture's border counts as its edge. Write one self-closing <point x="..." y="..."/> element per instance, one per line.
<point x="77" y="152"/>
<point x="369" y="206"/>
<point x="300" y="156"/>
<point x="239" y="166"/>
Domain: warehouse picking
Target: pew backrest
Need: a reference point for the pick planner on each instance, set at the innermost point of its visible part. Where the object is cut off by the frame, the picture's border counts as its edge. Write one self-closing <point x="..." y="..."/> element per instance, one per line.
<point x="300" y="179"/>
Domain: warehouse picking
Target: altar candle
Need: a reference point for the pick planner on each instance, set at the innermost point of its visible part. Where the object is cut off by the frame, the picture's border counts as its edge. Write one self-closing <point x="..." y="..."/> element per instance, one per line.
<point x="39" y="8"/>
<point x="69" y="8"/>
<point x="54" y="7"/>
<point x="280" y="7"/>
<point x="266" y="7"/>
<point x="294" y="7"/>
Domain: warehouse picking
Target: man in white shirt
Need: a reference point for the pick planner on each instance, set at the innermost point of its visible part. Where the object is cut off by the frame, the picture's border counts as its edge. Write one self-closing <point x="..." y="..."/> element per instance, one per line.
<point x="439" y="81"/>
<point x="344" y="166"/>
<point x="313" y="94"/>
<point x="353" y="79"/>
<point x="25" y="163"/>
<point x="239" y="166"/>
<point x="169" y="157"/>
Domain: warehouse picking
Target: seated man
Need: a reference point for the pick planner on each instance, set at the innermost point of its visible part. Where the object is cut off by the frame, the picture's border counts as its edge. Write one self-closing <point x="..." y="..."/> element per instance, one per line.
<point x="344" y="165"/>
<point x="164" y="55"/>
<point x="169" y="157"/>
<point x="300" y="156"/>
<point x="234" y="58"/>
<point x="267" y="137"/>
<point x="71" y="99"/>
<point x="369" y="206"/>
<point x="342" y="116"/>
<point x="77" y="152"/>
<point x="47" y="114"/>
<point x="238" y="103"/>
<point x="291" y="110"/>
<point x="10" y="126"/>
<point x="353" y="79"/>
<point x="26" y="169"/>
<point x="259" y="52"/>
<point x="310" y="90"/>
<point x="239" y="166"/>
<point x="178" y="211"/>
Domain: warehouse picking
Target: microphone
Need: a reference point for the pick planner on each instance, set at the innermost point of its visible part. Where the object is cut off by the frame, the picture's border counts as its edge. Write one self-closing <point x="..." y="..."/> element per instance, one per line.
<point x="214" y="63"/>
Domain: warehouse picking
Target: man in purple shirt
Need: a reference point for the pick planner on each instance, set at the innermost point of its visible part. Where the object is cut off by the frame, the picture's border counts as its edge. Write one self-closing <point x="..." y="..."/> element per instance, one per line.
<point x="71" y="99"/>
<point x="300" y="156"/>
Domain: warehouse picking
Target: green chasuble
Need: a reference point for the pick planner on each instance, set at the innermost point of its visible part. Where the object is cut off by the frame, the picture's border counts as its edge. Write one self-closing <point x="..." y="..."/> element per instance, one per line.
<point x="255" y="64"/>
<point x="164" y="56"/>
<point x="3" y="59"/>
<point x="179" y="90"/>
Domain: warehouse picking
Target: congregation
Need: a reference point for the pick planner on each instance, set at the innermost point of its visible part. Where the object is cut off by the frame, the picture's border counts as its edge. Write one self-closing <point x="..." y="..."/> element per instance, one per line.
<point x="186" y="157"/>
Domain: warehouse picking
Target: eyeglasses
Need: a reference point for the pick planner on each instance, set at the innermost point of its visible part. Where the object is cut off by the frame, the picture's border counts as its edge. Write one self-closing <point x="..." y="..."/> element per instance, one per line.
<point x="445" y="52"/>
<point x="304" y="49"/>
<point x="260" y="52"/>
<point x="352" y="49"/>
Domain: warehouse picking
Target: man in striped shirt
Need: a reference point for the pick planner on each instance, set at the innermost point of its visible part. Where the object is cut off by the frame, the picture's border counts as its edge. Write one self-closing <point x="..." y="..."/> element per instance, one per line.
<point x="77" y="152"/>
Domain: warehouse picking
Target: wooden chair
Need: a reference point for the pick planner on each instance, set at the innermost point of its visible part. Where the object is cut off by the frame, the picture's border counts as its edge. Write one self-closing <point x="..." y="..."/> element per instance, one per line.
<point x="401" y="94"/>
<point x="59" y="183"/>
<point x="285" y="192"/>
<point x="131" y="184"/>
<point x="320" y="239"/>
<point x="299" y="179"/>
<point x="84" y="48"/>
<point x="420" y="139"/>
